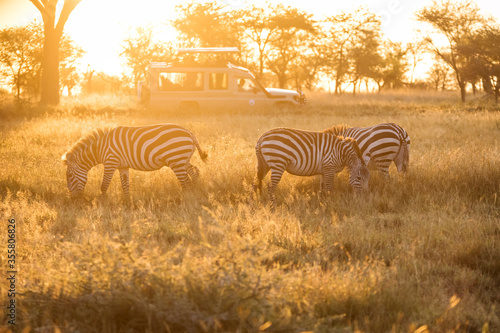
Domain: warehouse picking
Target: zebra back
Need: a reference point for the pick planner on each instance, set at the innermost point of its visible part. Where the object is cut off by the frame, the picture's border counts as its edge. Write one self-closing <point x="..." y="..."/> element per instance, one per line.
<point x="337" y="130"/>
<point x="385" y="143"/>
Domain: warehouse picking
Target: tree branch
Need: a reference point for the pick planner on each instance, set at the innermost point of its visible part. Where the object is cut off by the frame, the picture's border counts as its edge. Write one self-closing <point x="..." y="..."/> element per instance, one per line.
<point x="41" y="6"/>
<point x="68" y="7"/>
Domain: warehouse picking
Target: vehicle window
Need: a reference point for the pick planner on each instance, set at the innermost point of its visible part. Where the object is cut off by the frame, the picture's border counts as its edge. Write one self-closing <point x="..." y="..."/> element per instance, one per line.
<point x="245" y="85"/>
<point x="181" y="81"/>
<point x="217" y="81"/>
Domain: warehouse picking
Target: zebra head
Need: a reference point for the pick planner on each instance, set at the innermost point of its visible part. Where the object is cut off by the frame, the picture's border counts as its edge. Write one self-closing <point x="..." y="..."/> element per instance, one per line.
<point x="76" y="176"/>
<point x="359" y="173"/>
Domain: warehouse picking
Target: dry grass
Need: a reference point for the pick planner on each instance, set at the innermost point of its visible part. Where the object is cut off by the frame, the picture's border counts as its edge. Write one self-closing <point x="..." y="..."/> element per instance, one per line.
<point x="423" y="250"/>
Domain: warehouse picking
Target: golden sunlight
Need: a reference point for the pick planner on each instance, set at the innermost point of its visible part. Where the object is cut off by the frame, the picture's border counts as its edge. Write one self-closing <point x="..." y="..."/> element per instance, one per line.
<point x="99" y="27"/>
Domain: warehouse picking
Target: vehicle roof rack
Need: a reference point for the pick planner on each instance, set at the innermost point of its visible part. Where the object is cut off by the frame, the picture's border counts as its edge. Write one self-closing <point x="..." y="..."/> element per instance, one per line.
<point x="208" y="50"/>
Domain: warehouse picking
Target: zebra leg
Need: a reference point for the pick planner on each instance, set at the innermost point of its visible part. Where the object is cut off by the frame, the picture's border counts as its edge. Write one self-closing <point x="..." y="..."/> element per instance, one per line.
<point x="109" y="171"/>
<point x="257" y="183"/>
<point x="124" y="178"/>
<point x="182" y="175"/>
<point x="327" y="180"/>
<point x="276" y="174"/>
<point x="193" y="172"/>
<point x="262" y="170"/>
<point x="383" y="168"/>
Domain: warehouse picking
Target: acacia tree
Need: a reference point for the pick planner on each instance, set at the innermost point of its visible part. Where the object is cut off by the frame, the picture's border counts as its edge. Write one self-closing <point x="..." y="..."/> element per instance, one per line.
<point x="21" y="51"/>
<point x="70" y="53"/>
<point x="458" y="22"/>
<point x="293" y="29"/>
<point x="255" y="22"/>
<point x="415" y="51"/>
<point x="439" y="74"/>
<point x="206" y="24"/>
<point x="140" y="49"/>
<point x="393" y="66"/>
<point x="346" y="34"/>
<point x="20" y="56"/>
<point x="306" y="68"/>
<point x="364" y="55"/>
<point x="487" y="46"/>
<point x="53" y="31"/>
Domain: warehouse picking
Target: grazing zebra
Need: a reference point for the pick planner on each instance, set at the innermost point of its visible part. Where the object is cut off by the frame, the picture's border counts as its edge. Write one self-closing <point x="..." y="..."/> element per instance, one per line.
<point x="145" y="148"/>
<point x="380" y="145"/>
<point x="304" y="153"/>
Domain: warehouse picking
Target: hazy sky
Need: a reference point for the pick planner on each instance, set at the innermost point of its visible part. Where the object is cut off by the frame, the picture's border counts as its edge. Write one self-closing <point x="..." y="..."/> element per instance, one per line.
<point x="99" y="26"/>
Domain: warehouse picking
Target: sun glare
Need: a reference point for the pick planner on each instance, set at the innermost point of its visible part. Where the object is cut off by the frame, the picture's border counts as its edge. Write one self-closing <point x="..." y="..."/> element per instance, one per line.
<point x="100" y="27"/>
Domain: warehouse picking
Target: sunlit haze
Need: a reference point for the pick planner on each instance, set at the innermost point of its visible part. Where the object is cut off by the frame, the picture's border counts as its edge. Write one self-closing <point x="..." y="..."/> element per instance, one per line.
<point x="100" y="27"/>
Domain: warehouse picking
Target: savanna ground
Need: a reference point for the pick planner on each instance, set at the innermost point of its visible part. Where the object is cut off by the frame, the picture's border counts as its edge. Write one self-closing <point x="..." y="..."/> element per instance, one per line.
<point x="418" y="253"/>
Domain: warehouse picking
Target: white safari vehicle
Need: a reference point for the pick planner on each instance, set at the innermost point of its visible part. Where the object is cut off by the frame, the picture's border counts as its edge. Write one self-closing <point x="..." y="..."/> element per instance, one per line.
<point x="203" y="86"/>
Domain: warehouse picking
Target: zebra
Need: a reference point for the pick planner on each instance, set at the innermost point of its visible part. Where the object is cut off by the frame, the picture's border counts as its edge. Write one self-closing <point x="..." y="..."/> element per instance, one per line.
<point x="305" y="153"/>
<point x="380" y="145"/>
<point x="145" y="148"/>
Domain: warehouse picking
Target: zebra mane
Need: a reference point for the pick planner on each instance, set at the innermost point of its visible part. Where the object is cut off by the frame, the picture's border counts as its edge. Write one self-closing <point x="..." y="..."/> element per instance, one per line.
<point x="337" y="129"/>
<point x="83" y="144"/>
<point x="354" y="145"/>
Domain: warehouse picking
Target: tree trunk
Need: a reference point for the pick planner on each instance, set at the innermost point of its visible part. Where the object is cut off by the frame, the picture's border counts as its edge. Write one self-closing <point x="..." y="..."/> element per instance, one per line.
<point x="487" y="86"/>
<point x="18" y="85"/>
<point x="50" y="67"/>
<point x="337" y="84"/>
<point x="282" y="81"/>
<point x="261" y="65"/>
<point x="462" y="90"/>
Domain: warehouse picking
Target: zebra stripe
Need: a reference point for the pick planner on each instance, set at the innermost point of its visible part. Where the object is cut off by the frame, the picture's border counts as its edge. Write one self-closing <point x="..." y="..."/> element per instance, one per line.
<point x="304" y="153"/>
<point x="144" y="148"/>
<point x="380" y="145"/>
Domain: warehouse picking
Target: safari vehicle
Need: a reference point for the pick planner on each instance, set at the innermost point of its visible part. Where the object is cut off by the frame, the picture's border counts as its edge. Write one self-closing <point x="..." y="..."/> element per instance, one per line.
<point x="182" y="86"/>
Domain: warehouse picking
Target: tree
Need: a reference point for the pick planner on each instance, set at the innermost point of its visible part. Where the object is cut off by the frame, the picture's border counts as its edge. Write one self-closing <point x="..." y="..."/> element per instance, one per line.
<point x="415" y="50"/>
<point x="257" y="29"/>
<point x="364" y="54"/>
<point x="53" y="31"/>
<point x="20" y="57"/>
<point x="439" y="74"/>
<point x="206" y="24"/>
<point x="458" y="22"/>
<point x="487" y="45"/>
<point x="306" y="68"/>
<point x="395" y="66"/>
<point x="293" y="28"/>
<point x="21" y="51"/>
<point x="351" y="39"/>
<point x="140" y="49"/>
<point x="70" y="53"/>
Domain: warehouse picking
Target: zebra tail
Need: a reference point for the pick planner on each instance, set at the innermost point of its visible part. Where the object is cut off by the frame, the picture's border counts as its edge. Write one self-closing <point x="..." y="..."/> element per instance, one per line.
<point x="202" y="153"/>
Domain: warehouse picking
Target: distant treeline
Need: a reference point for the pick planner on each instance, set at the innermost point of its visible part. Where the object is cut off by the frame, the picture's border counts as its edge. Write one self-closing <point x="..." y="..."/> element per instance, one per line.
<point x="287" y="47"/>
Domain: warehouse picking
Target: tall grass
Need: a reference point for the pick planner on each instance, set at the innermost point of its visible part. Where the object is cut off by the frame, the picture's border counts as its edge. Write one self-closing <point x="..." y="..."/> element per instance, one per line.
<point x="418" y="252"/>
